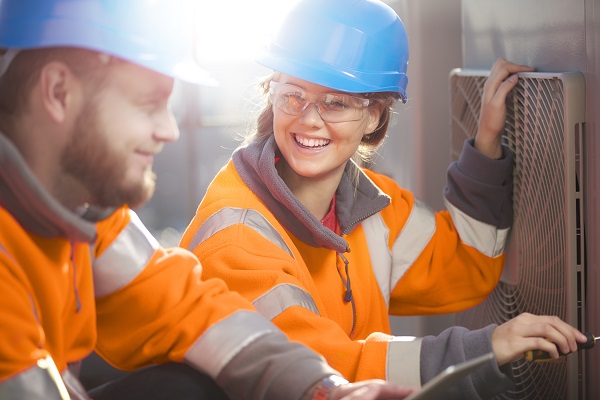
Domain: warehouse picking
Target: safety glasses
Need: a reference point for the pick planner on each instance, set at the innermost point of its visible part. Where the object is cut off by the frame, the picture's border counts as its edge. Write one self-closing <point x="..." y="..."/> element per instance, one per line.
<point x="332" y="107"/>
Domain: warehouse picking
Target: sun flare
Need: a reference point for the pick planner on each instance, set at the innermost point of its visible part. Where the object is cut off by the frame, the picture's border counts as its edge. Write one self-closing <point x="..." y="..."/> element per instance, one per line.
<point x="236" y="29"/>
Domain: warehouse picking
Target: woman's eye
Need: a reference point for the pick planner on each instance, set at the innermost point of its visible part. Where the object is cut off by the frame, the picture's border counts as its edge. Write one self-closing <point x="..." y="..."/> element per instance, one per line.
<point x="336" y="104"/>
<point x="295" y="101"/>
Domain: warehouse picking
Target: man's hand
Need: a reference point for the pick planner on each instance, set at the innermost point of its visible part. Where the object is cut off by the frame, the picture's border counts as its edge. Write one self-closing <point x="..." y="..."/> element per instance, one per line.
<point x="374" y="389"/>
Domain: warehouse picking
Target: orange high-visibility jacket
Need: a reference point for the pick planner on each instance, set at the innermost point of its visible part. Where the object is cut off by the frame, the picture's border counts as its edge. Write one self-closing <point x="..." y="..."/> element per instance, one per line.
<point x="394" y="256"/>
<point x="71" y="284"/>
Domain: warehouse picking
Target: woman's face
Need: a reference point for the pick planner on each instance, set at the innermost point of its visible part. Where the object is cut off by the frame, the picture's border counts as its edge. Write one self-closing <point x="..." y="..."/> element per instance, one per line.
<point x="313" y="148"/>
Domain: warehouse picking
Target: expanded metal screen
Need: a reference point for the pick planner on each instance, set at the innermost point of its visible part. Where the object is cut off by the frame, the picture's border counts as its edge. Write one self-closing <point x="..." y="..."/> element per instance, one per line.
<point x="544" y="272"/>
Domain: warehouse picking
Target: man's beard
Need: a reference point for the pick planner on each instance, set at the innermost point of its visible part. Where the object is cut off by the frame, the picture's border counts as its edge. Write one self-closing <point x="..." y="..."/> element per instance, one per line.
<point x="100" y="168"/>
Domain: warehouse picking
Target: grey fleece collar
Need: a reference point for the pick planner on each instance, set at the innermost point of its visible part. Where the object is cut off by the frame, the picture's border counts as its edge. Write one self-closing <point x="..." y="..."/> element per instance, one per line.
<point x="255" y="164"/>
<point x="34" y="208"/>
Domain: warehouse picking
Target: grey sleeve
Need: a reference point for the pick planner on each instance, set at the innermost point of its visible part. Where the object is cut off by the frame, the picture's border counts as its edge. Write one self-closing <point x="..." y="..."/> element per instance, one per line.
<point x="283" y="370"/>
<point x="458" y="344"/>
<point x="482" y="187"/>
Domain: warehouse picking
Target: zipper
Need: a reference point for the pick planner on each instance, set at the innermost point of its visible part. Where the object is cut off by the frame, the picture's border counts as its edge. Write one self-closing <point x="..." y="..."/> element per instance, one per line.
<point x="348" y="297"/>
<point x="356" y="222"/>
<point x="75" y="288"/>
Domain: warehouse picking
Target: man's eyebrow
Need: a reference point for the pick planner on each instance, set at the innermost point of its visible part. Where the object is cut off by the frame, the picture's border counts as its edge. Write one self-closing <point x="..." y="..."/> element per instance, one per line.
<point x="156" y="93"/>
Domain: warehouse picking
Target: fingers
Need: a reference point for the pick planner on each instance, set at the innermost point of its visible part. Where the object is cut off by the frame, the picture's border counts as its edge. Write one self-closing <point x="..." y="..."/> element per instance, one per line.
<point x="562" y="335"/>
<point x="501" y="82"/>
<point x="375" y="389"/>
<point x="532" y="332"/>
<point x="501" y="70"/>
<point x="492" y="115"/>
<point x="500" y="93"/>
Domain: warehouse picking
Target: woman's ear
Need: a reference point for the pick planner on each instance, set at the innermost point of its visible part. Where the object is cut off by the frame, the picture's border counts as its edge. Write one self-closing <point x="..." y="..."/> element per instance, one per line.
<point x="57" y="87"/>
<point x="375" y="112"/>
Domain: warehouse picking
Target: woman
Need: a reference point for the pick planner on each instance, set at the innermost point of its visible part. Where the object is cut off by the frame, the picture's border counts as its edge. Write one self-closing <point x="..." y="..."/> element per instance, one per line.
<point x="328" y="250"/>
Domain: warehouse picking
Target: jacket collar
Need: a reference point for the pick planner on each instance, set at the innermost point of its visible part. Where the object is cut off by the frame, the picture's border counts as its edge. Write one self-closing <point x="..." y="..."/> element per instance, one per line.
<point x="34" y="208"/>
<point x="354" y="202"/>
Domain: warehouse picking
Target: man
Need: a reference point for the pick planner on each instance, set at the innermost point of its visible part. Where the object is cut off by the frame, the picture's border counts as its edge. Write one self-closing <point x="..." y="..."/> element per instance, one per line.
<point x="84" y="90"/>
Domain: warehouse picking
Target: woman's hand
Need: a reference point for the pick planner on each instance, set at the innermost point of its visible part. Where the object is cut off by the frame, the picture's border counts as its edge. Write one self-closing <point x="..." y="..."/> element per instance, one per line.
<point x="534" y="332"/>
<point x="493" y="106"/>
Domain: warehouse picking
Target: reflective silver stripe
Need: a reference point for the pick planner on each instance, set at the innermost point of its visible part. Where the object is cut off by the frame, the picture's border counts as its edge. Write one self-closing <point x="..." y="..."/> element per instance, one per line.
<point x="226" y="217"/>
<point x="485" y="238"/>
<point x="281" y="297"/>
<point x="38" y="382"/>
<point x="414" y="237"/>
<point x="125" y="258"/>
<point x="224" y="340"/>
<point x="74" y="386"/>
<point x="377" y="235"/>
<point x="404" y="361"/>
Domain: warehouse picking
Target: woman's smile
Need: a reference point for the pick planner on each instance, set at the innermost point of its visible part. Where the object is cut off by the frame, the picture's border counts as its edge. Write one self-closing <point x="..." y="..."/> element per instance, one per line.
<point x="310" y="143"/>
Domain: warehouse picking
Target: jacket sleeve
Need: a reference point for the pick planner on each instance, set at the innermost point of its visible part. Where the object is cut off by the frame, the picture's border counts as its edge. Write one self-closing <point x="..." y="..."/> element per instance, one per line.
<point x="153" y="306"/>
<point x="481" y="187"/>
<point x="455" y="345"/>
<point x="450" y="260"/>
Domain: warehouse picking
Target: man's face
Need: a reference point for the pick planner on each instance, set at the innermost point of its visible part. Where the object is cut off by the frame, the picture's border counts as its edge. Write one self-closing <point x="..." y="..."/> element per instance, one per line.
<point x="117" y="134"/>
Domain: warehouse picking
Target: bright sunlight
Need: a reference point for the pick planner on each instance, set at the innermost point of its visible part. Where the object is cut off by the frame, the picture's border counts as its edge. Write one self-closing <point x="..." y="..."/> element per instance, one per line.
<point x="229" y="30"/>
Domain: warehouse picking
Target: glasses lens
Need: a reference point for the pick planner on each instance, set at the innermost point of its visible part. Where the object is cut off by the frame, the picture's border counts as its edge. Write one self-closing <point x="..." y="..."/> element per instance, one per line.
<point x="335" y="107"/>
<point x="332" y="107"/>
<point x="290" y="99"/>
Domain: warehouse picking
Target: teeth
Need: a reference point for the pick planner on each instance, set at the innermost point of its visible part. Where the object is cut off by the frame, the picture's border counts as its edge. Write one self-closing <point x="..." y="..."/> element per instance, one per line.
<point x="312" y="142"/>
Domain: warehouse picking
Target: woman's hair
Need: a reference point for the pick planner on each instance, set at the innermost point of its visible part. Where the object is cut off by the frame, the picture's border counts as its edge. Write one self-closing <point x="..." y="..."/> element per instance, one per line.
<point x="369" y="144"/>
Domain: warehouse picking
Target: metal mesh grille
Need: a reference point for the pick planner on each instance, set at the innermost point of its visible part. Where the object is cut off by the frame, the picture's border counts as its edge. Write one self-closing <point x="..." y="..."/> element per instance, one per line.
<point x="534" y="278"/>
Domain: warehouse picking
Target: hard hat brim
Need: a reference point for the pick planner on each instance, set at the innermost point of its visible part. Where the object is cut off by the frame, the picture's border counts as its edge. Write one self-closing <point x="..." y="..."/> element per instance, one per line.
<point x="335" y="78"/>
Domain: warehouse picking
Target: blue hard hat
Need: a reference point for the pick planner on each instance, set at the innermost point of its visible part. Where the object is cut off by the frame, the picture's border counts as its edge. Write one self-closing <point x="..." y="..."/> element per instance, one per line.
<point x="356" y="46"/>
<point x="152" y="33"/>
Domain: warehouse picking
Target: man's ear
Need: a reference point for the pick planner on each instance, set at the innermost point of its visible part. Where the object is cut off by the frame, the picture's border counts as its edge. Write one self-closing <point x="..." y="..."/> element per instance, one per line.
<point x="58" y="85"/>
